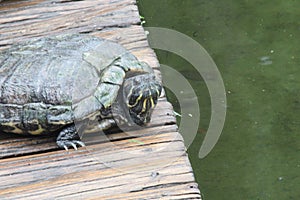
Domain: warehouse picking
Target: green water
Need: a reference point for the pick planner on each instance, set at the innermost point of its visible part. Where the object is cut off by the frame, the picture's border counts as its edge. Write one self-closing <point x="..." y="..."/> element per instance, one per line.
<point x="258" y="154"/>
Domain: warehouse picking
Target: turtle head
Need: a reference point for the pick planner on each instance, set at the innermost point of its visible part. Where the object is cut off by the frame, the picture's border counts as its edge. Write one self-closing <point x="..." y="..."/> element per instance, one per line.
<point x="140" y="94"/>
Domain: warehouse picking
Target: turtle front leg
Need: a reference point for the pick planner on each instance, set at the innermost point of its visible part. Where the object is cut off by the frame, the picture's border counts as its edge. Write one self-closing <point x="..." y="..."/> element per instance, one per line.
<point x="104" y="124"/>
<point x="69" y="137"/>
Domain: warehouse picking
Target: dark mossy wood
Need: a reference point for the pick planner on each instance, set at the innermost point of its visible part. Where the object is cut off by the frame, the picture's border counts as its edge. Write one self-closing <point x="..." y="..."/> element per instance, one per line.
<point x="150" y="163"/>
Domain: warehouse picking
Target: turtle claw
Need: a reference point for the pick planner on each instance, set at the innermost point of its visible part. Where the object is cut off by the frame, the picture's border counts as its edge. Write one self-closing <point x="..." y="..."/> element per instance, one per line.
<point x="81" y="144"/>
<point x="66" y="148"/>
<point x="74" y="146"/>
<point x="67" y="144"/>
<point x="68" y="137"/>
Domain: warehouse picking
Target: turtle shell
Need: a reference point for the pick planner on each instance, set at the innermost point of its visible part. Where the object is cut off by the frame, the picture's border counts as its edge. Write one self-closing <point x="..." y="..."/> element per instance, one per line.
<point x="58" y="70"/>
<point x="42" y="81"/>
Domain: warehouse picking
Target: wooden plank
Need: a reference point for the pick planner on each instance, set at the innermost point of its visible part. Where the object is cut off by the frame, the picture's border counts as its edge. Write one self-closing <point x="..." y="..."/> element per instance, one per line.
<point x="39" y="18"/>
<point x="129" y="167"/>
<point x="149" y="163"/>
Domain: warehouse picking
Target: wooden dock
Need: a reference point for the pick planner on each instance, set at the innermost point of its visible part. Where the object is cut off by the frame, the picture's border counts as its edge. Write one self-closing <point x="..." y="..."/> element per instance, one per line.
<point x="143" y="164"/>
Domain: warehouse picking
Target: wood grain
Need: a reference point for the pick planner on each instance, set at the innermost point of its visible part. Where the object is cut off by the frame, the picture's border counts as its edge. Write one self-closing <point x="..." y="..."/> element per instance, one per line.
<point x="148" y="163"/>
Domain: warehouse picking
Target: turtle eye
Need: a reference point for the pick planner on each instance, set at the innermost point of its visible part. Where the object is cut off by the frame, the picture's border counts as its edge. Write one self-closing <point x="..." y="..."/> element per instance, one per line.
<point x="138" y="107"/>
<point x="141" y="111"/>
<point x="143" y="106"/>
<point x="134" y="99"/>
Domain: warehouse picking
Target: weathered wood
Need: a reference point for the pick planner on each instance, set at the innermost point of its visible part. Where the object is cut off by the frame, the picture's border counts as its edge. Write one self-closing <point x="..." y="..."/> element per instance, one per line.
<point x="150" y="163"/>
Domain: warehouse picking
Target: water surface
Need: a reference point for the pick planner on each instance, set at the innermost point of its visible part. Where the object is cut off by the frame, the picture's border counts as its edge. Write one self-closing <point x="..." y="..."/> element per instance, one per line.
<point x="256" y="46"/>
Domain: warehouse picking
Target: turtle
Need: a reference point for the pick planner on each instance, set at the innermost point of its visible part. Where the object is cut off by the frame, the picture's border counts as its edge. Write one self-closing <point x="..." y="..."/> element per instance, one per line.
<point x="65" y="83"/>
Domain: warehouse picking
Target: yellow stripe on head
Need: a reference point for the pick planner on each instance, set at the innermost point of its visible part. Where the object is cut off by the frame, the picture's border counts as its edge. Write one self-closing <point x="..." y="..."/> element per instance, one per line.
<point x="136" y="101"/>
<point x="144" y="106"/>
<point x="152" y="102"/>
<point x="129" y="94"/>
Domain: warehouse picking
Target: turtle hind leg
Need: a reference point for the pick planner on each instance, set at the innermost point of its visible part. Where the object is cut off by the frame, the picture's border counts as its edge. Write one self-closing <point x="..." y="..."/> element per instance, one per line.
<point x="69" y="137"/>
